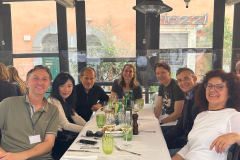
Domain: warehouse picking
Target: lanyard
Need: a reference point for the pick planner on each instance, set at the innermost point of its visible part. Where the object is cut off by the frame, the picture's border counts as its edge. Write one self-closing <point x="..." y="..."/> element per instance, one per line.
<point x="33" y="125"/>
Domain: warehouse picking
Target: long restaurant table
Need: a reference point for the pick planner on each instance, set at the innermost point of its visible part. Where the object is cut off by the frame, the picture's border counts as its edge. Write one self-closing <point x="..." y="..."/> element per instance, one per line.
<point x="149" y="145"/>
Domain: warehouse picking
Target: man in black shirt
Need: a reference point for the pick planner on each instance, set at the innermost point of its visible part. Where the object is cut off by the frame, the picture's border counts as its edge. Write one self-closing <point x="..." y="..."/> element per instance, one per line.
<point x="176" y="137"/>
<point x="90" y="97"/>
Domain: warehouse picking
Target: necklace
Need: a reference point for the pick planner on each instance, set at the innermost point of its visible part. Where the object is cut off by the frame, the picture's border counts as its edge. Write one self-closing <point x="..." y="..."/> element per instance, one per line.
<point x="216" y="109"/>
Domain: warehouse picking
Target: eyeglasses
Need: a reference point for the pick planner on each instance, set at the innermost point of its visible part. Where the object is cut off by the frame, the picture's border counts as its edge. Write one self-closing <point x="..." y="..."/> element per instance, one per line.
<point x="217" y="87"/>
<point x="91" y="134"/>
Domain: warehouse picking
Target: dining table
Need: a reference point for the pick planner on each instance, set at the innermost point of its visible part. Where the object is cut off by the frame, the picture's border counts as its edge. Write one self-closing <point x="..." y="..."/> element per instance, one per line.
<point x="149" y="142"/>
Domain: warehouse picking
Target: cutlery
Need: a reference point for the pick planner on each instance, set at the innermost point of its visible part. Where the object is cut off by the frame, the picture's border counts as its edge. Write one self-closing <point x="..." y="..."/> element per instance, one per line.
<point x="149" y="131"/>
<point x="126" y="150"/>
<point x="72" y="150"/>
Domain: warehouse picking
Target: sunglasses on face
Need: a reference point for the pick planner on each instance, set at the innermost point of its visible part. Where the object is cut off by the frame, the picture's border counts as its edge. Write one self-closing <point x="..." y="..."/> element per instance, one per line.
<point x="91" y="134"/>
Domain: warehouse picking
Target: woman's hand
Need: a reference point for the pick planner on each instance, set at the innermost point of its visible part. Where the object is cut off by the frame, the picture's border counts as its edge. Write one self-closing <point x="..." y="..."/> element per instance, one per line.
<point x="222" y="142"/>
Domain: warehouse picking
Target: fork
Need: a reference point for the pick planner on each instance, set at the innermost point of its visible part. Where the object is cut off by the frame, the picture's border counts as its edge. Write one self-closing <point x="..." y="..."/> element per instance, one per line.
<point x="148" y="131"/>
<point x="126" y="150"/>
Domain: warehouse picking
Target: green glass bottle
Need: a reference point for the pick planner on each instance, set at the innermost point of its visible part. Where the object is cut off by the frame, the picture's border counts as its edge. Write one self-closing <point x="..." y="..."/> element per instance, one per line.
<point x="131" y="97"/>
<point x="125" y="99"/>
<point x="119" y="105"/>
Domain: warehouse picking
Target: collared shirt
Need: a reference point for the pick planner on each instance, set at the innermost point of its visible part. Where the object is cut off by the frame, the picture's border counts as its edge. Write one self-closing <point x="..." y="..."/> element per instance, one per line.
<point x="15" y="124"/>
<point x="190" y="96"/>
<point x="85" y="101"/>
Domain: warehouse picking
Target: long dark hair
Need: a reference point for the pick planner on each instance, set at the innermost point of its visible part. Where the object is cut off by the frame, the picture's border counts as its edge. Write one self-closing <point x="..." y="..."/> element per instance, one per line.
<point x="69" y="104"/>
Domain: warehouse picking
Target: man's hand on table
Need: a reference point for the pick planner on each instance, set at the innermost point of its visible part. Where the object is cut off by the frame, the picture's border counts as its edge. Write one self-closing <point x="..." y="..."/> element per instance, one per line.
<point x="95" y="107"/>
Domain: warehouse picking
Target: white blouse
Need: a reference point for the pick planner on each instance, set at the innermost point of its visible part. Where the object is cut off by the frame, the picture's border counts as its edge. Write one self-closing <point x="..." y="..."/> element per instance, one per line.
<point x="208" y="125"/>
<point x="63" y="122"/>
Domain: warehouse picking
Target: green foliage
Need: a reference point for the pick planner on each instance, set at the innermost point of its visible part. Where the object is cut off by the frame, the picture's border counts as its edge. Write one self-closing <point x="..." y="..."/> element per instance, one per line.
<point x="111" y="48"/>
<point x="207" y="42"/>
<point x="108" y="71"/>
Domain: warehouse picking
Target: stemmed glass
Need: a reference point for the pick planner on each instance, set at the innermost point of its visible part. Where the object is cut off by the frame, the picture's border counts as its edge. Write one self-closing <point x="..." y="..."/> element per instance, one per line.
<point x="126" y="127"/>
<point x="110" y="121"/>
<point x="107" y="108"/>
<point x="138" y="106"/>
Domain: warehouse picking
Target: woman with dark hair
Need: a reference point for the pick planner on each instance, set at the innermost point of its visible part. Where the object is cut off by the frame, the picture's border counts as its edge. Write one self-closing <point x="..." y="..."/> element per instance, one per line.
<point x="217" y="127"/>
<point x="63" y="95"/>
<point x="127" y="80"/>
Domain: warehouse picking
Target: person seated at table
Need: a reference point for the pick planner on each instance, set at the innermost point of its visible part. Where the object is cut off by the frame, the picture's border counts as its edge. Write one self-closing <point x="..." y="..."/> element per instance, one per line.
<point x="63" y="95"/>
<point x="90" y="97"/>
<point x="6" y="88"/>
<point x="176" y="137"/>
<point x="169" y="95"/>
<point x="217" y="127"/>
<point x="29" y="123"/>
<point x="14" y="78"/>
<point x="127" y="80"/>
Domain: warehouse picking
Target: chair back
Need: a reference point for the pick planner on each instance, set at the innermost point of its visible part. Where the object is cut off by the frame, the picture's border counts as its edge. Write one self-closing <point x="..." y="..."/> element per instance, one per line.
<point x="233" y="153"/>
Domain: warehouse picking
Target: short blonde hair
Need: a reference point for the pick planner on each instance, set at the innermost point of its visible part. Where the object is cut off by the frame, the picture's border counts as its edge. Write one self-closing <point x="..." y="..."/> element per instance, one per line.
<point x="3" y="73"/>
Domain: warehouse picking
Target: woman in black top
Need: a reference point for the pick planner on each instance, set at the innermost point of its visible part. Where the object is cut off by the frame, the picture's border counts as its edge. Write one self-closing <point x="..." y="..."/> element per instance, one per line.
<point x="127" y="80"/>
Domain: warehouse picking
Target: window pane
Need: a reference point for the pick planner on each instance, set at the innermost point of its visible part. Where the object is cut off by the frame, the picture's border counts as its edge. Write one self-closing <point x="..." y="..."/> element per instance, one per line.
<point x="228" y="33"/>
<point x="34" y="27"/>
<point x="23" y="65"/>
<point x="111" y="28"/>
<point x="186" y="27"/>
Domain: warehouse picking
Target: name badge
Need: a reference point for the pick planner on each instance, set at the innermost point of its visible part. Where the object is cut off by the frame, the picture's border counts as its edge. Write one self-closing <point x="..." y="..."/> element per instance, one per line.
<point x="34" y="138"/>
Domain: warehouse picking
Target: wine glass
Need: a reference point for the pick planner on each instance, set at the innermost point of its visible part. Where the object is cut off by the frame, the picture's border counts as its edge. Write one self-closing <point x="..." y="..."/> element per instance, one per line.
<point x="136" y="108"/>
<point x="126" y="127"/>
<point x="107" y="108"/>
<point x="110" y="121"/>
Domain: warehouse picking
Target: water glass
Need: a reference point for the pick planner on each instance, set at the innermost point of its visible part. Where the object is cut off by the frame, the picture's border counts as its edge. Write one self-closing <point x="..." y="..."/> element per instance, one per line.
<point x="100" y="120"/>
<point x="107" y="143"/>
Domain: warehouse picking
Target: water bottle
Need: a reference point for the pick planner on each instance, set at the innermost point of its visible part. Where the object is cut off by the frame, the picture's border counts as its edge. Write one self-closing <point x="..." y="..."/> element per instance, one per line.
<point x="121" y="116"/>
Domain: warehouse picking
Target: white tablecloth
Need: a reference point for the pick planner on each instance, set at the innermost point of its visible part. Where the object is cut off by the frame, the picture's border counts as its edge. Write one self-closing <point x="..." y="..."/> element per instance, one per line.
<point x="149" y="145"/>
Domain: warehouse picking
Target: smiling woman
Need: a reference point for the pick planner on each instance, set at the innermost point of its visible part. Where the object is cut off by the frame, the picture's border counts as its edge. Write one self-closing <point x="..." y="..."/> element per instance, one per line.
<point x="219" y="99"/>
<point x="127" y="80"/>
<point x="63" y="95"/>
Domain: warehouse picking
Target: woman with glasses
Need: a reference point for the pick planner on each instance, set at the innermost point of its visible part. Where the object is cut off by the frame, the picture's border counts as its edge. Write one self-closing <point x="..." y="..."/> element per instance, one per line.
<point x="63" y="95"/>
<point x="127" y="80"/>
<point x="217" y="127"/>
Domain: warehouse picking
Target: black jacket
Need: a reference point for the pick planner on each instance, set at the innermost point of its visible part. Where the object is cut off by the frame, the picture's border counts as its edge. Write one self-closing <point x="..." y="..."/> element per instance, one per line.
<point x="6" y="90"/>
<point x="85" y="101"/>
<point x="185" y="122"/>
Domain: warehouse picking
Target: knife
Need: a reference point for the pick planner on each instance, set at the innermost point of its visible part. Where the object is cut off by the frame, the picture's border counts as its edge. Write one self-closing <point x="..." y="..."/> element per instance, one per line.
<point x="72" y="150"/>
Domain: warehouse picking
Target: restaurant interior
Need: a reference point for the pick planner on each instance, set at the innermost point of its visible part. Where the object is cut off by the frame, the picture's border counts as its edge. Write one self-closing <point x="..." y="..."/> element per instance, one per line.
<point x="67" y="35"/>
